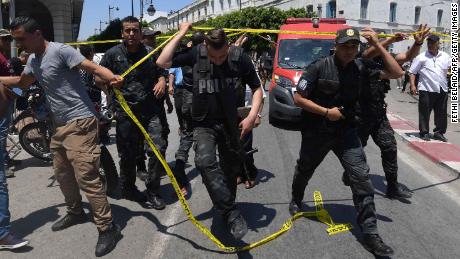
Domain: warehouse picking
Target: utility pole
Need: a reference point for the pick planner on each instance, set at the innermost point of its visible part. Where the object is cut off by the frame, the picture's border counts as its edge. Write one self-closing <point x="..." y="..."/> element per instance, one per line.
<point x="110" y="12"/>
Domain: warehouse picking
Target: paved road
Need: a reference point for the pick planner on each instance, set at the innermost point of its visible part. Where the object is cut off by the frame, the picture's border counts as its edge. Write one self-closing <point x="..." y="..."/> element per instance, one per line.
<point x="424" y="227"/>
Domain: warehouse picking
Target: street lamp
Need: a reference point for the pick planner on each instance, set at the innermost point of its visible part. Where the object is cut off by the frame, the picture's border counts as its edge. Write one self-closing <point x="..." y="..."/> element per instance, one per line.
<point x="100" y="25"/>
<point x="150" y="10"/>
<point x="110" y="11"/>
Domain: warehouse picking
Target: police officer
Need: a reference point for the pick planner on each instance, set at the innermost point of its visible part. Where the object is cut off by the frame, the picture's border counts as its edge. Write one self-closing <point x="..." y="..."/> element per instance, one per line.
<point x="216" y="69"/>
<point x="143" y="90"/>
<point x="328" y="92"/>
<point x="149" y="40"/>
<point x="373" y="114"/>
<point x="183" y="93"/>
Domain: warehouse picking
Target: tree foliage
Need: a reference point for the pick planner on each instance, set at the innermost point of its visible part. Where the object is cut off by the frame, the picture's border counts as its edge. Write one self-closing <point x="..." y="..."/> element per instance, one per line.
<point x="111" y="32"/>
<point x="256" y="18"/>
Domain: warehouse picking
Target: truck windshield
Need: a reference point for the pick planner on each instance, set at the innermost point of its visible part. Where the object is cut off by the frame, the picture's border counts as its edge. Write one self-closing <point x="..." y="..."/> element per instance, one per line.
<point x="299" y="53"/>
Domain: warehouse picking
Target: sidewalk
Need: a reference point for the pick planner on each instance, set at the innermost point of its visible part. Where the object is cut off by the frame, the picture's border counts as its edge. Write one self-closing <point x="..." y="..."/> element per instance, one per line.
<point x="445" y="154"/>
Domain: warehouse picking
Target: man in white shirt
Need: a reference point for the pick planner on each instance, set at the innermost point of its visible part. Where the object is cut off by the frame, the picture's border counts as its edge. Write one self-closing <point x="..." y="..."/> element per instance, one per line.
<point x="432" y="67"/>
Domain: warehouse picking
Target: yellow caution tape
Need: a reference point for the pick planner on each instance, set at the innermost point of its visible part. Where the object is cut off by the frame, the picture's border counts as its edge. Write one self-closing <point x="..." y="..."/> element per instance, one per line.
<point x="254" y="31"/>
<point x="320" y="213"/>
<point x="93" y="42"/>
<point x="296" y="32"/>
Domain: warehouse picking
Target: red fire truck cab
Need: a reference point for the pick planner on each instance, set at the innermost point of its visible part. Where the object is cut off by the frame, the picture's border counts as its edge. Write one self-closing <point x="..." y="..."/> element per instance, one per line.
<point x="293" y="54"/>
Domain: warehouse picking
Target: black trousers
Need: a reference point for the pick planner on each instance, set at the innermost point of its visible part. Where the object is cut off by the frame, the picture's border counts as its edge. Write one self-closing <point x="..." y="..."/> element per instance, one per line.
<point x="219" y="177"/>
<point x="383" y="135"/>
<point x="129" y="138"/>
<point x="183" y="104"/>
<point x="427" y="102"/>
<point x="249" y="171"/>
<point x="347" y="147"/>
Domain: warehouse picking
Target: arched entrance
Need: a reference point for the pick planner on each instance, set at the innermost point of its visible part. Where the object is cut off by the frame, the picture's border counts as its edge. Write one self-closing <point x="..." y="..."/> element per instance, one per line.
<point x="39" y="12"/>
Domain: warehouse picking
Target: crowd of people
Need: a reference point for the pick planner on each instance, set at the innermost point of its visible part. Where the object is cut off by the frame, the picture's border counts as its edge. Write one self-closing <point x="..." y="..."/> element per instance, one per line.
<point x="218" y="97"/>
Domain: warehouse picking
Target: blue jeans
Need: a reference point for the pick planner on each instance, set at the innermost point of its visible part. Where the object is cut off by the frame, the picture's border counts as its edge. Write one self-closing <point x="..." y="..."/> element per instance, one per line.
<point x="4" y="212"/>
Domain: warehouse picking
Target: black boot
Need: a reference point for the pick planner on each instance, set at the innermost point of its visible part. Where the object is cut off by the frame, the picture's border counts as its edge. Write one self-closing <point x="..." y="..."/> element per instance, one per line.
<point x="69" y="220"/>
<point x="107" y="240"/>
<point x="295" y="207"/>
<point x="237" y="224"/>
<point x="374" y="244"/>
<point x="398" y="191"/>
<point x="155" y="200"/>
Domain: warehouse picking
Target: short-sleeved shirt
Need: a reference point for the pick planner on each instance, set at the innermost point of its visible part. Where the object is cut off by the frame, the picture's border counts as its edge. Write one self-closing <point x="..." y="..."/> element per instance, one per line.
<point x="177" y="72"/>
<point x="56" y="71"/>
<point x="247" y="74"/>
<point x="432" y="71"/>
<point x="138" y="85"/>
<point x="328" y="84"/>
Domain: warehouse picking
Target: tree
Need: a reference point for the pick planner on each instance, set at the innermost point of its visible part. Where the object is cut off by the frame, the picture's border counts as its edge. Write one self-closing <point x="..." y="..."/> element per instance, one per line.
<point x="260" y="18"/>
<point x="111" y="32"/>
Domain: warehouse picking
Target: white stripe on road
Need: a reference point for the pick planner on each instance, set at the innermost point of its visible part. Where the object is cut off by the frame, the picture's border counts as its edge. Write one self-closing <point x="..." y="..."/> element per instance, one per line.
<point x="159" y="244"/>
<point x="450" y="192"/>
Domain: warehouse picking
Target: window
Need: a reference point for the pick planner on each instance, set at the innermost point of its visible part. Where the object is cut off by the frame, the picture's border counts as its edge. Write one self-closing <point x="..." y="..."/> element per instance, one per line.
<point x="309" y="9"/>
<point x="393" y="12"/>
<point x="331" y="9"/>
<point x="418" y="9"/>
<point x="439" y="18"/>
<point x="364" y="4"/>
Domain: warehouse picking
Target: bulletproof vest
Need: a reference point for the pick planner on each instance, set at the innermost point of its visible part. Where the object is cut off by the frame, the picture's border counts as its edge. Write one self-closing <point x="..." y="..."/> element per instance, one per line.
<point x="330" y="93"/>
<point x="226" y="88"/>
<point x="372" y="101"/>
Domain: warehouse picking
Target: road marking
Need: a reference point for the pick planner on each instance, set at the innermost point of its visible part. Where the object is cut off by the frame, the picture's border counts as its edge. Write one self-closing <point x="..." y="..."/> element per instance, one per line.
<point x="159" y="244"/>
<point x="450" y="192"/>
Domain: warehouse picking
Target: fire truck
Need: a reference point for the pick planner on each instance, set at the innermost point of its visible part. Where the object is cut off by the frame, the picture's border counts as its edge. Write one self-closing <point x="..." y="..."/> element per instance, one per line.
<point x="294" y="52"/>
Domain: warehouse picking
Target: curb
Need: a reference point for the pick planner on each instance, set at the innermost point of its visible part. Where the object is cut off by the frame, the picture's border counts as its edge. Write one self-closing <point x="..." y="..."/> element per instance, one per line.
<point x="445" y="154"/>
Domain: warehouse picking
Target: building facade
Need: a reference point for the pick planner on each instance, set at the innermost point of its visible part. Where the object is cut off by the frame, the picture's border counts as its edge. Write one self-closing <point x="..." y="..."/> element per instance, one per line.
<point x="386" y="16"/>
<point x="59" y="19"/>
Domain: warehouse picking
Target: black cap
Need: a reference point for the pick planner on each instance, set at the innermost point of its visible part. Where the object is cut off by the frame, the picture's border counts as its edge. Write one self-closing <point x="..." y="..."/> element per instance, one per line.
<point x="149" y="32"/>
<point x="433" y="37"/>
<point x="345" y="35"/>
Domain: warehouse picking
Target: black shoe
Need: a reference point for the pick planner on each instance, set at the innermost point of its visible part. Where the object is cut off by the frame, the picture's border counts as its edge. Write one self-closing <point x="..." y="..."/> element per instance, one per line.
<point x="374" y="244"/>
<point x="238" y="227"/>
<point x="107" y="240"/>
<point x="155" y="200"/>
<point x="133" y="194"/>
<point x="346" y="179"/>
<point x="425" y="137"/>
<point x="69" y="220"/>
<point x="295" y="207"/>
<point x="439" y="136"/>
<point x="398" y="191"/>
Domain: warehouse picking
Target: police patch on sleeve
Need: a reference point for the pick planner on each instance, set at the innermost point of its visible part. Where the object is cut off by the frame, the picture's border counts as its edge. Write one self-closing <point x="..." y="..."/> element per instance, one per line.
<point x="302" y="85"/>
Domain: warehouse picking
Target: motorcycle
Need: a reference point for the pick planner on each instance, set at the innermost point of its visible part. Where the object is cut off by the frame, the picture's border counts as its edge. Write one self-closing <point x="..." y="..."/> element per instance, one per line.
<point x="35" y="137"/>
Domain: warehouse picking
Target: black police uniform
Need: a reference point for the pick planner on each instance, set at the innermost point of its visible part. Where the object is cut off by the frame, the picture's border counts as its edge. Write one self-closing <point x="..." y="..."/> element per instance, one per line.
<point x="329" y="85"/>
<point x="374" y="122"/>
<point x="137" y="90"/>
<point x="183" y="103"/>
<point x="214" y="116"/>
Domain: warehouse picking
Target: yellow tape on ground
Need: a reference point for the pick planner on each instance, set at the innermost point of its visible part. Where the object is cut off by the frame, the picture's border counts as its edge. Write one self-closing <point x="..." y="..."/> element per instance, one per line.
<point x="320" y="213"/>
